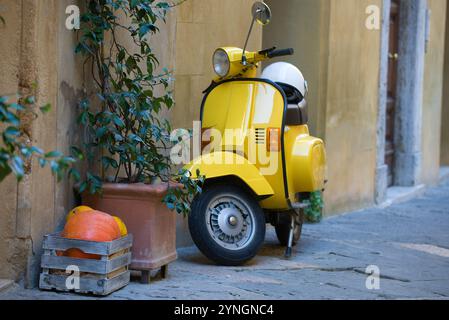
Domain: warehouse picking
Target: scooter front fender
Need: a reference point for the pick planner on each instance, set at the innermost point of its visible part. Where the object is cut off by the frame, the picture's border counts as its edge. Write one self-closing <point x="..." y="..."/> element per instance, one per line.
<point x="225" y="164"/>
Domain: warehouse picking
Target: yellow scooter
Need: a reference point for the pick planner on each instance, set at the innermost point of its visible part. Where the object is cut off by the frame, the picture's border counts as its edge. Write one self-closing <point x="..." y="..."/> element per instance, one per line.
<point x="258" y="158"/>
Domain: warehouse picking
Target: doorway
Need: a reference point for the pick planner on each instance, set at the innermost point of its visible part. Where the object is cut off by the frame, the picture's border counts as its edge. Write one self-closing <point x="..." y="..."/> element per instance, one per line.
<point x="392" y="91"/>
<point x="400" y="95"/>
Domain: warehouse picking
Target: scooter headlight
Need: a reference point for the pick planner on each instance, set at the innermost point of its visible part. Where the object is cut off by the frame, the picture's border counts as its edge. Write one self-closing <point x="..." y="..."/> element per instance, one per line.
<point x="221" y="63"/>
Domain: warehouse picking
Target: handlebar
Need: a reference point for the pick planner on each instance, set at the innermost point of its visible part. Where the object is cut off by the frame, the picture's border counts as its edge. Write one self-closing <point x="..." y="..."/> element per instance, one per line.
<point x="280" y="53"/>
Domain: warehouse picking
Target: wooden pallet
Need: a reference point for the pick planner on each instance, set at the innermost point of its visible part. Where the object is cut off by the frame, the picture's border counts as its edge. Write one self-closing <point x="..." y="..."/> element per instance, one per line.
<point x="98" y="277"/>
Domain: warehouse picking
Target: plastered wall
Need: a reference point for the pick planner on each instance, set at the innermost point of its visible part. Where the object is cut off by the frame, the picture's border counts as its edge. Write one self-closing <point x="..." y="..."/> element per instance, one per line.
<point x="445" y="112"/>
<point x="37" y="48"/>
<point x="351" y="106"/>
<point x="339" y="57"/>
<point x="433" y="92"/>
<point x="303" y="25"/>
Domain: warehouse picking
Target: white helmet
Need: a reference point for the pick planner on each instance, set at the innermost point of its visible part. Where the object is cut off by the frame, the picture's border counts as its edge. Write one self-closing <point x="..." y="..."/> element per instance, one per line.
<point x="286" y="73"/>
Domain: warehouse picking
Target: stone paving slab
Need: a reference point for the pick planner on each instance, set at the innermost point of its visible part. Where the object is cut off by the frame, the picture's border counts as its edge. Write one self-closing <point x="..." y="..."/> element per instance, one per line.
<point x="408" y="242"/>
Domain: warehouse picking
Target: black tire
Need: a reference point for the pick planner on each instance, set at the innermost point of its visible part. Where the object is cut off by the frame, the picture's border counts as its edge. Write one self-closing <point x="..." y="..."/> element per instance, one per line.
<point x="211" y="248"/>
<point x="283" y="229"/>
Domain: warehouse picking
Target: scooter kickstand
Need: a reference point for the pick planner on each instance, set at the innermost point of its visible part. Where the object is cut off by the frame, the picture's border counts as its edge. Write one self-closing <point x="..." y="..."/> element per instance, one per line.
<point x="288" y="250"/>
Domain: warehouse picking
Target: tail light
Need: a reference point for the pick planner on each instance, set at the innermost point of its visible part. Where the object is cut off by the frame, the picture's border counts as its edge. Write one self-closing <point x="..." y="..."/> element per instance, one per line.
<point x="274" y="139"/>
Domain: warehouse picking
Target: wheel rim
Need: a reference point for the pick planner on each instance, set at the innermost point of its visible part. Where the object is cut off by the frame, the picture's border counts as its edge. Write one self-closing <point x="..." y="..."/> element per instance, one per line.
<point x="230" y="222"/>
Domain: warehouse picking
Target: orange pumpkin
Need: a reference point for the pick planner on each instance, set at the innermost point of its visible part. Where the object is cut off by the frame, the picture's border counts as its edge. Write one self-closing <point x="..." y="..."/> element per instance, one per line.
<point x="77" y="253"/>
<point x="92" y="226"/>
<point x="77" y="210"/>
<point x="122" y="226"/>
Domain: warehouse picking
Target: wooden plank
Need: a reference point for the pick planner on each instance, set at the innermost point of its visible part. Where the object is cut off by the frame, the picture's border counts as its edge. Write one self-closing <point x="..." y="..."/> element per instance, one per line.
<point x="86" y="265"/>
<point x="121" y="244"/>
<point x="55" y="242"/>
<point x="118" y="262"/>
<point x="117" y="282"/>
<point x="99" y="277"/>
<point x="87" y="285"/>
<point x="58" y="243"/>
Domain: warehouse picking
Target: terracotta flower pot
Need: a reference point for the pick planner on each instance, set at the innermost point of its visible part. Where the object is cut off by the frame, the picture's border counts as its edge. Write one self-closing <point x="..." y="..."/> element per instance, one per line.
<point x="151" y="223"/>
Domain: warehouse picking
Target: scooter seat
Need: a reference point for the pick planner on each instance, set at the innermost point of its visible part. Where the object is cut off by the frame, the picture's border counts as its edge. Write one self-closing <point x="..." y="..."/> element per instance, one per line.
<point x="293" y="95"/>
<point x="297" y="106"/>
<point x="297" y="114"/>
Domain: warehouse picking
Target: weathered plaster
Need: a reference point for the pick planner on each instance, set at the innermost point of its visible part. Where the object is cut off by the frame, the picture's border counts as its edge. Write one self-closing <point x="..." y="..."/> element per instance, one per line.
<point x="302" y="25"/>
<point x="351" y="106"/>
<point x="433" y="93"/>
<point x="339" y="57"/>
<point x="445" y="111"/>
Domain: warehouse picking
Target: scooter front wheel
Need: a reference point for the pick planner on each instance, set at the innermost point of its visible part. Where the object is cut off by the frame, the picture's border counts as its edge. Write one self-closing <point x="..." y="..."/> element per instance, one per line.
<point x="227" y="225"/>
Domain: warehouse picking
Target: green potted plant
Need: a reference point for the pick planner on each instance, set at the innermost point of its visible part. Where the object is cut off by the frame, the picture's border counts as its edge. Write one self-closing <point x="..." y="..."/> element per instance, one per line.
<point x="16" y="150"/>
<point x="130" y="173"/>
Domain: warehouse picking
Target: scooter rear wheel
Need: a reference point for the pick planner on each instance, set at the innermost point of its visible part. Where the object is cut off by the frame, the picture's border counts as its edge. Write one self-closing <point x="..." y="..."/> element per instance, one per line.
<point x="283" y="228"/>
<point x="227" y="225"/>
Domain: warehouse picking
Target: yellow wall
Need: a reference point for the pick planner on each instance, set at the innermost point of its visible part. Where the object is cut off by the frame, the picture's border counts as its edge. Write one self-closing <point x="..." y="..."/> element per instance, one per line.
<point x="351" y="106"/>
<point x="445" y="111"/>
<point x="302" y="25"/>
<point x="9" y="69"/>
<point x="433" y="91"/>
<point x="37" y="49"/>
<point x="201" y="27"/>
<point x="340" y="59"/>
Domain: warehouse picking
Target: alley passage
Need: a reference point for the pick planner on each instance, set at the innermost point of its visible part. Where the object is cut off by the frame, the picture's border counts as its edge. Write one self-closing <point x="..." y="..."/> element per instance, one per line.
<point x="407" y="243"/>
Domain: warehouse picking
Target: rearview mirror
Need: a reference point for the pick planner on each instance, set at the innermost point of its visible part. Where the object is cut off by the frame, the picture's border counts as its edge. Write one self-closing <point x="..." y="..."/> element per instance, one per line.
<point x="261" y="13"/>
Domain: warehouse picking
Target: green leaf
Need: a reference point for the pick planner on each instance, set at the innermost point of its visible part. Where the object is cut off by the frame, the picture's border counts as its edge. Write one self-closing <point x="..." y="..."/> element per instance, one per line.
<point x="30" y="100"/>
<point x="76" y="152"/>
<point x="74" y="173"/>
<point x="53" y="154"/>
<point x="107" y="162"/>
<point x="121" y="55"/>
<point x="46" y="108"/>
<point x="118" y="121"/>
<point x="42" y="162"/>
<point x="100" y="132"/>
<point x="4" y="172"/>
<point x="12" y="132"/>
<point x="37" y="150"/>
<point x="145" y="28"/>
<point x="83" y="118"/>
<point x="16" y="165"/>
<point x="83" y="187"/>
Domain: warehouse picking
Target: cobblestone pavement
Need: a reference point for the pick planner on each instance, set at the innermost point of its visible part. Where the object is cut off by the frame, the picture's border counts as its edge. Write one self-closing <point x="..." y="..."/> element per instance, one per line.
<point x="408" y="242"/>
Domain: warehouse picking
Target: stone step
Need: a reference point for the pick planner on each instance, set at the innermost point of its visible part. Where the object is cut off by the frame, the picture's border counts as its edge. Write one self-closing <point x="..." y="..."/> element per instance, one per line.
<point x="5" y="284"/>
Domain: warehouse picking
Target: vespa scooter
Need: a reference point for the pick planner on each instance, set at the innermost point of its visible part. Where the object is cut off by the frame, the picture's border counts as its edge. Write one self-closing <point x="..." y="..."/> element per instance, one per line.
<point x="259" y="160"/>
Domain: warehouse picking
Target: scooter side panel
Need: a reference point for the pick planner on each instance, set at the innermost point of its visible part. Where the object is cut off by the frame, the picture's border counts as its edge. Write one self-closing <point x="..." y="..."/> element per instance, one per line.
<point x="224" y="164"/>
<point x="242" y="111"/>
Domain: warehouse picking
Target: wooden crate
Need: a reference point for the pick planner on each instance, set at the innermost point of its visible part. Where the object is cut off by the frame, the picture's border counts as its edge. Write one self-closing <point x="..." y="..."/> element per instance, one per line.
<point x="98" y="277"/>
